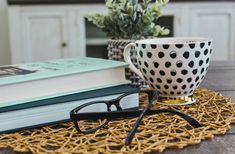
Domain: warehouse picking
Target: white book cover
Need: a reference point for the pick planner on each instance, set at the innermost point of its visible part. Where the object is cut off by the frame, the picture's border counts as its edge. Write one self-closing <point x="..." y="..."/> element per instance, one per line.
<point x="34" y="81"/>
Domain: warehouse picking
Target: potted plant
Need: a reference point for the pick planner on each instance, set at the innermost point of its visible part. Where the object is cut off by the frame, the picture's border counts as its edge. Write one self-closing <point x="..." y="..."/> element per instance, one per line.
<point x="127" y="21"/>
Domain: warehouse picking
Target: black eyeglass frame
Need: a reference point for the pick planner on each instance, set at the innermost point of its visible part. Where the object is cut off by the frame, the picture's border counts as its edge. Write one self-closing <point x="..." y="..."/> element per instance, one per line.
<point x="120" y="113"/>
<point x="109" y="103"/>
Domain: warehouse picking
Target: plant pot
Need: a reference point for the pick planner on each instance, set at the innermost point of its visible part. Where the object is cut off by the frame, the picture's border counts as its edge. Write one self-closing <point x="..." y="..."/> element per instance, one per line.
<point x="115" y="52"/>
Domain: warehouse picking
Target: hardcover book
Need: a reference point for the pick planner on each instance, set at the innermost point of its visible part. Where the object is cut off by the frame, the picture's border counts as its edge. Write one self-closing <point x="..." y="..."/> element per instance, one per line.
<point x="35" y="81"/>
<point x="57" y="109"/>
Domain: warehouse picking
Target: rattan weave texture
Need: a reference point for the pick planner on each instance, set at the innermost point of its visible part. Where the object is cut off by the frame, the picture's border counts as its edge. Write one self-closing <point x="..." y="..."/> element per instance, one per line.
<point x="156" y="133"/>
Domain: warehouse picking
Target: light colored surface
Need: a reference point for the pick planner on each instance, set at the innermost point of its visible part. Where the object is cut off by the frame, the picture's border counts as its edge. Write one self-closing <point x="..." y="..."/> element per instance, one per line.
<point x="218" y="25"/>
<point x="44" y="34"/>
<point x="207" y="19"/>
<point x="4" y="35"/>
<point x="41" y="31"/>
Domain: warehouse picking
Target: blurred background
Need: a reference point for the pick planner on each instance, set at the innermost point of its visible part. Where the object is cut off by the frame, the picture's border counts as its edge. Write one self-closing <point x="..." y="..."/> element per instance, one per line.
<point x="34" y="30"/>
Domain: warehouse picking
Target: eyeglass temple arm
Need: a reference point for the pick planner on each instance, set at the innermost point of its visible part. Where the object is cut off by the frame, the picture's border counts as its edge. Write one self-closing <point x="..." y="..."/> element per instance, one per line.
<point x="152" y="95"/>
<point x="190" y="120"/>
<point x="131" y="113"/>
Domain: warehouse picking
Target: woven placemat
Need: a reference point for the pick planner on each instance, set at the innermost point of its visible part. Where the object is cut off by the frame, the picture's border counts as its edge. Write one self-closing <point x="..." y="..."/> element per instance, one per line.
<point x="157" y="132"/>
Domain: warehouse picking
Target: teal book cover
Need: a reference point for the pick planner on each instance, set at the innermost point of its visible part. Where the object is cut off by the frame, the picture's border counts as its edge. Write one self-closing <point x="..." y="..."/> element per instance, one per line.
<point x="11" y="74"/>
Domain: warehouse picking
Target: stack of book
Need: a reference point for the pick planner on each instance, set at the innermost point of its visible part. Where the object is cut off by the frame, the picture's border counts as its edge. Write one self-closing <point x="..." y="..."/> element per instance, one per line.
<point x="42" y="93"/>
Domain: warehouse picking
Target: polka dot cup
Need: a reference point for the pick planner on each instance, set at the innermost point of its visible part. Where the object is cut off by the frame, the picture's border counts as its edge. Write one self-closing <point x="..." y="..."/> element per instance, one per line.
<point x="173" y="66"/>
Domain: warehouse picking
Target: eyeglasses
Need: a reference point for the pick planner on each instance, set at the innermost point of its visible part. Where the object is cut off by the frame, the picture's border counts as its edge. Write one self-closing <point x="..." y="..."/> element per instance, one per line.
<point x="86" y="121"/>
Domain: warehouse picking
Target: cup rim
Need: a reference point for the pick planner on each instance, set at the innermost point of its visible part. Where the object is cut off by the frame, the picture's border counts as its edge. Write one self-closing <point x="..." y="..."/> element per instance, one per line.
<point x="173" y="40"/>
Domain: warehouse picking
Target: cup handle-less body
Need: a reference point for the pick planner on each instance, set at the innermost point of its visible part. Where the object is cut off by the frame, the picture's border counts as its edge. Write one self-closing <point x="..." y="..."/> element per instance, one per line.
<point x="127" y="59"/>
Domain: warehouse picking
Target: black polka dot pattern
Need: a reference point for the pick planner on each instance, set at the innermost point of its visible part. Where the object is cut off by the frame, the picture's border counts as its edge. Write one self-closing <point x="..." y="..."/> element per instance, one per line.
<point x="159" y="80"/>
<point x="191" y="86"/>
<point x="202" y="44"/>
<point x="206" y="52"/>
<point x="186" y="54"/>
<point x="156" y="64"/>
<point x="189" y="80"/>
<point x="169" y="80"/>
<point x="143" y="46"/>
<point x="179" y="80"/>
<point x="179" y="45"/>
<point x="153" y="46"/>
<point x="166" y="86"/>
<point x="165" y="46"/>
<point x="168" y="64"/>
<point x="191" y="64"/>
<point x="184" y="72"/>
<point x="174" y="69"/>
<point x="192" y="45"/>
<point x="202" y="70"/>
<point x="162" y="73"/>
<point x="173" y="72"/>
<point x="200" y="62"/>
<point x="158" y="87"/>
<point x="195" y="71"/>
<point x="161" y="54"/>
<point x="179" y="64"/>
<point x="149" y="54"/>
<point x="144" y="70"/>
<point x="141" y="53"/>
<point x="173" y="54"/>
<point x="146" y="64"/>
<point x="209" y="43"/>
<point x="197" y="54"/>
<point x="174" y="87"/>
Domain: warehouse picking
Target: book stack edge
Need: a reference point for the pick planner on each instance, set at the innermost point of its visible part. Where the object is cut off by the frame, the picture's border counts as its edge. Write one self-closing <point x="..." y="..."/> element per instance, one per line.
<point x="43" y="93"/>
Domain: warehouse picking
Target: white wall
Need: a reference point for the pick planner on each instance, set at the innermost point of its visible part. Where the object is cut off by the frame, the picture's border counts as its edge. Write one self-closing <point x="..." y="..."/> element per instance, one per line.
<point x="4" y="34"/>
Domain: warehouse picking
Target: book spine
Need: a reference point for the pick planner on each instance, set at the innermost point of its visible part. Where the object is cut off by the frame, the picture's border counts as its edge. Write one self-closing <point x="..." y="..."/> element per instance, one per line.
<point x="72" y="97"/>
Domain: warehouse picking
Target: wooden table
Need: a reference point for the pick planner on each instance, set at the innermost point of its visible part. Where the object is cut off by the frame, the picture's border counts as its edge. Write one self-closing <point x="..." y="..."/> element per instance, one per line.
<point x="220" y="77"/>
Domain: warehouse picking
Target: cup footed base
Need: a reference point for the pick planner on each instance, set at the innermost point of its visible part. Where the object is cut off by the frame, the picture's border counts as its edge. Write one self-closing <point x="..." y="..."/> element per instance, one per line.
<point x="176" y="100"/>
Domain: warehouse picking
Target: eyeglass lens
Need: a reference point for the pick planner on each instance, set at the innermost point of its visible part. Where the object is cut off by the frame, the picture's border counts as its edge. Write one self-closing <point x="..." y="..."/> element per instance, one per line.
<point x="88" y="125"/>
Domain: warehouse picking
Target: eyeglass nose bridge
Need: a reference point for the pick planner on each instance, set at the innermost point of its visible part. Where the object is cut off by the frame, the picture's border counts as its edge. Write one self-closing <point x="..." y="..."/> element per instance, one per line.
<point x="116" y="103"/>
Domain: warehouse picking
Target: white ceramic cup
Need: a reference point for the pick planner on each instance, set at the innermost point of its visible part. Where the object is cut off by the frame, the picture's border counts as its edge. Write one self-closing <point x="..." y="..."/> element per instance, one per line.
<point x="173" y="66"/>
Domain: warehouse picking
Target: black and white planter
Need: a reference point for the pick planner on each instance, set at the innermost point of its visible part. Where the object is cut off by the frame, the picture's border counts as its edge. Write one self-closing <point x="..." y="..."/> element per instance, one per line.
<point x="115" y="52"/>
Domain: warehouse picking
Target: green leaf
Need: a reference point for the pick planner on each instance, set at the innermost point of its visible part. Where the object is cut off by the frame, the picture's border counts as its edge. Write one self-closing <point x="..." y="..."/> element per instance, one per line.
<point x="128" y="19"/>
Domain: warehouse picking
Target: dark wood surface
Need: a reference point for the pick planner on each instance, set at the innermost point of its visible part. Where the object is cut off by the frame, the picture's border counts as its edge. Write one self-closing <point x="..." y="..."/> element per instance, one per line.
<point x="220" y="77"/>
<point x="36" y="2"/>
